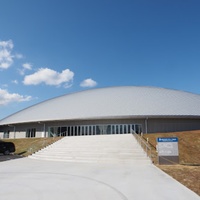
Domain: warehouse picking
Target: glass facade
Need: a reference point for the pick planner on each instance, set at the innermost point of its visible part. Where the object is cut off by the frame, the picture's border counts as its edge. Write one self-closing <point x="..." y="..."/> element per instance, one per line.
<point x="31" y="132"/>
<point x="103" y="129"/>
<point x="6" y="134"/>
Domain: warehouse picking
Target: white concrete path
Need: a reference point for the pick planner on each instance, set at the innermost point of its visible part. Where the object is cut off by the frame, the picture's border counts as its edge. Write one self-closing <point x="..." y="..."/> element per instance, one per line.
<point x="123" y="174"/>
<point x="31" y="179"/>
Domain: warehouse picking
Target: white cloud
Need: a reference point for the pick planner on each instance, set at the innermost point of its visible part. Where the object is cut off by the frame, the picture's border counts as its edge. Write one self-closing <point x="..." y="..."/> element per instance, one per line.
<point x="7" y="44"/>
<point x="15" y="81"/>
<point x="50" y="77"/>
<point x="6" y="97"/>
<point x="18" y="56"/>
<point x="88" y="83"/>
<point x="6" y="57"/>
<point x="25" y="66"/>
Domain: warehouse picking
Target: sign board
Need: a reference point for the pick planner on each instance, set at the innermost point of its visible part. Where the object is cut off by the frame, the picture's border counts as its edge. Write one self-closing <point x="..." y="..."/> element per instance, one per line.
<point x="167" y="146"/>
<point x="168" y="150"/>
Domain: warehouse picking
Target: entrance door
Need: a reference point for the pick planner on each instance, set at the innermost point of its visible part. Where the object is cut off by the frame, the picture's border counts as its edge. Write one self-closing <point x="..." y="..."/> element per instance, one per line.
<point x="103" y="129"/>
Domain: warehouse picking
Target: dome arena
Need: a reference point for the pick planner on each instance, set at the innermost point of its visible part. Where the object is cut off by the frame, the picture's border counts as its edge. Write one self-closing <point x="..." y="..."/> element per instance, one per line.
<point x="112" y="110"/>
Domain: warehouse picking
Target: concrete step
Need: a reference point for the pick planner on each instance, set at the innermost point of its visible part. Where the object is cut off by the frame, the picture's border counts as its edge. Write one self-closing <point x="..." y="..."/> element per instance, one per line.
<point x="91" y="159"/>
<point x="111" y="156"/>
<point x="135" y="162"/>
<point x="92" y="156"/>
<point x="99" y="148"/>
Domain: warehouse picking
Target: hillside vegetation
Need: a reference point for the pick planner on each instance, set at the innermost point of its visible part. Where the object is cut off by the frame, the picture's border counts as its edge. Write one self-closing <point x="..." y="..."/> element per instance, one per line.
<point x="188" y="171"/>
<point x="188" y="143"/>
<point x="27" y="146"/>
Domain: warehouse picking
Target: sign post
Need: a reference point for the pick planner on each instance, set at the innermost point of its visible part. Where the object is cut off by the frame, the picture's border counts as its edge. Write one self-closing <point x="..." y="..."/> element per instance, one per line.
<point x="167" y="148"/>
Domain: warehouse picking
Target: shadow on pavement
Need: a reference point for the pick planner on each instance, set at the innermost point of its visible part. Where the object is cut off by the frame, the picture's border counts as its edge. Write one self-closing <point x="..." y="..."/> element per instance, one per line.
<point x="9" y="157"/>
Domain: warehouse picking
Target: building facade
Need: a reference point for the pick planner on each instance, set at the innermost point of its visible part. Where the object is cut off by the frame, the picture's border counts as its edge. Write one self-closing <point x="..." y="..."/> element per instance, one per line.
<point x="114" y="110"/>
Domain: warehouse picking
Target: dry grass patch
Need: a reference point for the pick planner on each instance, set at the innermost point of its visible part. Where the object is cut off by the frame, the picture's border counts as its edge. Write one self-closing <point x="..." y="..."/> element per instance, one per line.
<point x="27" y="146"/>
<point x="187" y="175"/>
<point x="189" y="145"/>
<point x="188" y="172"/>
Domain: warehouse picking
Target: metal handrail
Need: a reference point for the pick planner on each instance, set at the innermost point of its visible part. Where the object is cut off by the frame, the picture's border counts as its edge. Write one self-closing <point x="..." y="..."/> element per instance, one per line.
<point x="32" y="149"/>
<point x="146" y="147"/>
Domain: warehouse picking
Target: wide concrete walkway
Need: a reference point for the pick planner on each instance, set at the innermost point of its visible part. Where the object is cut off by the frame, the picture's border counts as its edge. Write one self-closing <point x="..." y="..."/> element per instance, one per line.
<point x="31" y="179"/>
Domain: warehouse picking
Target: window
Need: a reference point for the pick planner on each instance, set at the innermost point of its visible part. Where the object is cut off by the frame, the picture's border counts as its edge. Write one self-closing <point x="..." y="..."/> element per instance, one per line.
<point x="121" y="129"/>
<point x="113" y="129"/>
<point x="138" y="129"/>
<point x="129" y="128"/>
<point x="117" y="129"/>
<point x="31" y="132"/>
<point x="101" y="129"/>
<point x="6" y="134"/>
<point x="90" y="130"/>
<point x="108" y="130"/>
<point x="63" y="131"/>
<point x="125" y="129"/>
<point x="83" y="130"/>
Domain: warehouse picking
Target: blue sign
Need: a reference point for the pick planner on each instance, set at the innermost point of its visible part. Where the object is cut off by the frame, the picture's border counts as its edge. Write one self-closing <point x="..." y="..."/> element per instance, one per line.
<point x="169" y="139"/>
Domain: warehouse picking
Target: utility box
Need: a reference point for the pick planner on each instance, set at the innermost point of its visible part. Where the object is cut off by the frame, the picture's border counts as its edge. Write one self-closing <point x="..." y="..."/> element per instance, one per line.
<point x="167" y="148"/>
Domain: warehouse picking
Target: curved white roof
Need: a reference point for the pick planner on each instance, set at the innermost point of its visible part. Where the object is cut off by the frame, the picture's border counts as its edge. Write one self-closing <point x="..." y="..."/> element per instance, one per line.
<point x="113" y="102"/>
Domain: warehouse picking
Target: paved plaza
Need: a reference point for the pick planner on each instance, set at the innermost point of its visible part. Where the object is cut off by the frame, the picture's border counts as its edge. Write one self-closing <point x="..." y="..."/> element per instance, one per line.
<point x="32" y="179"/>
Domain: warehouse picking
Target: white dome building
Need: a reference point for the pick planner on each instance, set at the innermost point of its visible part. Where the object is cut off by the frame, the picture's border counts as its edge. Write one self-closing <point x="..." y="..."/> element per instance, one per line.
<point x="113" y="110"/>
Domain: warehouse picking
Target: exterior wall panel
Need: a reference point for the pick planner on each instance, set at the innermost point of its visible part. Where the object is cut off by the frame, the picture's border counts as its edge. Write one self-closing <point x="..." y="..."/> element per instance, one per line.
<point x="154" y="125"/>
<point x="172" y="125"/>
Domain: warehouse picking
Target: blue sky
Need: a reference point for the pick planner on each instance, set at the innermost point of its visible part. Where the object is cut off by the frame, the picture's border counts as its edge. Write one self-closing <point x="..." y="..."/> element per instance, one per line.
<point x="53" y="47"/>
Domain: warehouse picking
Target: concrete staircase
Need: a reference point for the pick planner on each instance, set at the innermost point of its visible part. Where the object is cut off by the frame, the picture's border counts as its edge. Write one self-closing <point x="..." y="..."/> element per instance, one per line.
<point x="96" y="148"/>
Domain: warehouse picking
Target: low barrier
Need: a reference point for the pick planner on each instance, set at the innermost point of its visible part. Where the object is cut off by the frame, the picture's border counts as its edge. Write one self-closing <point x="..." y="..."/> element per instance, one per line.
<point x="146" y="147"/>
